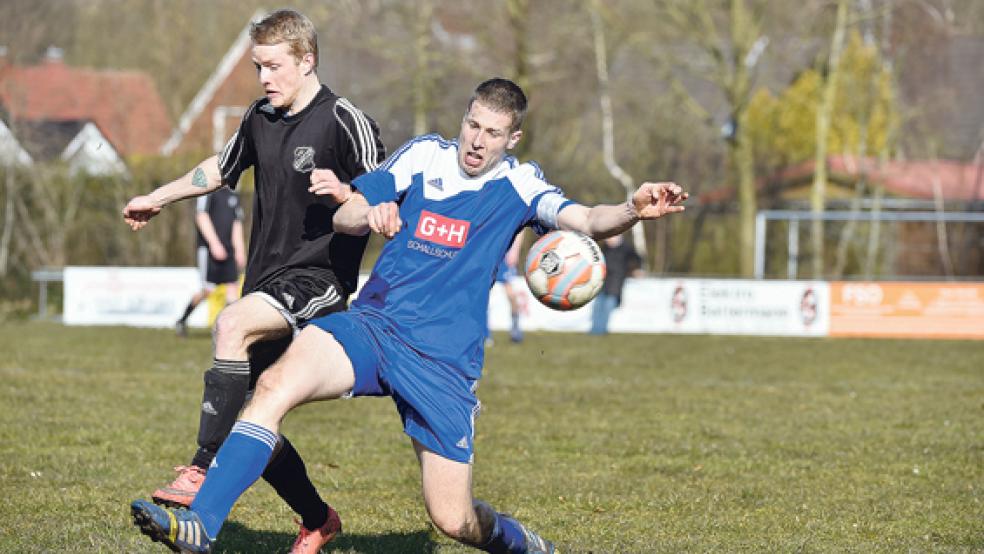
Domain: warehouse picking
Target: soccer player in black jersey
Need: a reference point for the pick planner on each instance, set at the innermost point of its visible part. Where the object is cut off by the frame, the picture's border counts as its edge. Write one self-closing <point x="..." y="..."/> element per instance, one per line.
<point x="297" y="268"/>
<point x="221" y="252"/>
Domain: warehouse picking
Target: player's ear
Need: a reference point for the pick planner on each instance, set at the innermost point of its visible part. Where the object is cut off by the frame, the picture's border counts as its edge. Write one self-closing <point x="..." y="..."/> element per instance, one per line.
<point x="307" y="63"/>
<point x="514" y="138"/>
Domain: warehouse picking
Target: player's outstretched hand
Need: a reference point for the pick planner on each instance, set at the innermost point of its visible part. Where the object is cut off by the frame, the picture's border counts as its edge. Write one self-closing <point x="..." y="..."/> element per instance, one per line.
<point x="325" y="182"/>
<point x="139" y="210"/>
<point x="654" y="200"/>
<point x="385" y="219"/>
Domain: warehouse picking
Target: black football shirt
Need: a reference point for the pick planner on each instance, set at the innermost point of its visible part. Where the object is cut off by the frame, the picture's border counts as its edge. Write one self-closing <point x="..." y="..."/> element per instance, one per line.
<point x="291" y="226"/>
<point x="222" y="207"/>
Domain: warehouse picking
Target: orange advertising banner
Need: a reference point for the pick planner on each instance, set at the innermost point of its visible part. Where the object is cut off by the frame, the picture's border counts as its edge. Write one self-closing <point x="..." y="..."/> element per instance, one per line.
<point x="907" y="310"/>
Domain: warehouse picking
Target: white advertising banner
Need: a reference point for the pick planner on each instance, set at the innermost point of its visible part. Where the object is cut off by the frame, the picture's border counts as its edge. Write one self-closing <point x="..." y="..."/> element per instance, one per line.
<point x="534" y="316"/>
<point x="136" y="296"/>
<point x="698" y="306"/>
<point x="747" y="307"/>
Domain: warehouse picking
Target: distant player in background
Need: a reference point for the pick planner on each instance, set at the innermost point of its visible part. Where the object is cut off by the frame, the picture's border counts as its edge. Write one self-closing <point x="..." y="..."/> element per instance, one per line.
<point x="298" y="268"/>
<point x="507" y="270"/>
<point x="221" y="252"/>
<point x="417" y="329"/>
<point x="621" y="260"/>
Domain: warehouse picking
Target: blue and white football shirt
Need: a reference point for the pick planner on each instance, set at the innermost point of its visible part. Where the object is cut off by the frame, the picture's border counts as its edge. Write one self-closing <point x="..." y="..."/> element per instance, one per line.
<point x="432" y="280"/>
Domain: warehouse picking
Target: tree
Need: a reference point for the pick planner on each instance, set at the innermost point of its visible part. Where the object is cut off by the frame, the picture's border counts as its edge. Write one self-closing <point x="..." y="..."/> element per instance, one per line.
<point x="724" y="44"/>
<point x="818" y="191"/>
<point x="608" y="121"/>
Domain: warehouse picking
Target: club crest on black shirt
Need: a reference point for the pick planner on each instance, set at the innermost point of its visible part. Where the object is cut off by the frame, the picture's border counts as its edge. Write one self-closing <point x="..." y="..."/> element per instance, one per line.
<point x="304" y="159"/>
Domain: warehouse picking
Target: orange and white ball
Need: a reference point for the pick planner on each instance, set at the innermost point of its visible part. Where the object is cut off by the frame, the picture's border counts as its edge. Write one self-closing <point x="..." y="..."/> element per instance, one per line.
<point x="565" y="269"/>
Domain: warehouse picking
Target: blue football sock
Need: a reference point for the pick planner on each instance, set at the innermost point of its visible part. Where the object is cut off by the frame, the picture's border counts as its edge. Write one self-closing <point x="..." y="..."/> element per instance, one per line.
<point x="508" y="537"/>
<point x="238" y="464"/>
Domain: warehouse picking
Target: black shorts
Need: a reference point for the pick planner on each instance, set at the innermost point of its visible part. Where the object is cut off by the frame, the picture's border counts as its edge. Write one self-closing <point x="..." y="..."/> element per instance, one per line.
<point x="301" y="294"/>
<point x="214" y="272"/>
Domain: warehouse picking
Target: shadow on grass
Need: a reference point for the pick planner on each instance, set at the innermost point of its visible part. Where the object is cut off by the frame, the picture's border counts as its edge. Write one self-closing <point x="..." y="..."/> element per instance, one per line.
<point x="238" y="538"/>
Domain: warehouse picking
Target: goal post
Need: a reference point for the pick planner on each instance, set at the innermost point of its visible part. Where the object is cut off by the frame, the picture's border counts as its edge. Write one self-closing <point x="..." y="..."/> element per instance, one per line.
<point x="794" y="217"/>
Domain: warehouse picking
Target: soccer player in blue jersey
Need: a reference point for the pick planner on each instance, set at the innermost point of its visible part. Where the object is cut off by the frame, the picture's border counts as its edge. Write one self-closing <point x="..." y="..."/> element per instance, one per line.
<point x="504" y="274"/>
<point x="416" y="332"/>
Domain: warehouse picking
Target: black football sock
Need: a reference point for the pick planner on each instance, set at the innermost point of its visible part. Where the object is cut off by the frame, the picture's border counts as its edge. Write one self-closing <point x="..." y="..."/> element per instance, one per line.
<point x="190" y="308"/>
<point x="288" y="476"/>
<point x="224" y="396"/>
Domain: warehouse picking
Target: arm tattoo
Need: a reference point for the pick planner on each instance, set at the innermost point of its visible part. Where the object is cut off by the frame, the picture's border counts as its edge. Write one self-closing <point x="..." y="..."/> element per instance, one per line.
<point x="199" y="179"/>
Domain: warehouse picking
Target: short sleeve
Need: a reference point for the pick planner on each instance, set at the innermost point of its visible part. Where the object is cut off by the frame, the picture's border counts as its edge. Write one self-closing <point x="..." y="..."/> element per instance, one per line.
<point x="545" y="199"/>
<point x="363" y="149"/>
<point x="377" y="187"/>
<point x="238" y="155"/>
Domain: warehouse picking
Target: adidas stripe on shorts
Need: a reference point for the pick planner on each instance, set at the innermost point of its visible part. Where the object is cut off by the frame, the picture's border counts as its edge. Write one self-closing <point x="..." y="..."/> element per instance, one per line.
<point x="301" y="294"/>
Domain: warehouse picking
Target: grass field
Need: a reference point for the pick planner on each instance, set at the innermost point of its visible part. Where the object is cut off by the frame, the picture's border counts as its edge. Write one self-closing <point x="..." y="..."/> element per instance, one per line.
<point x="626" y="443"/>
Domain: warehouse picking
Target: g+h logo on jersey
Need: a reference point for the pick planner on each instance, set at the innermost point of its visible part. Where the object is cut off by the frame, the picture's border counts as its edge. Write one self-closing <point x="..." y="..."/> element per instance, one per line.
<point x="442" y="230"/>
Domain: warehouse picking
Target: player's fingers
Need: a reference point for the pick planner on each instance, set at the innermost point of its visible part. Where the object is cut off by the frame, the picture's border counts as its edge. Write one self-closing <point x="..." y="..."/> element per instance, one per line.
<point x="325" y="188"/>
<point x="321" y="175"/>
<point x="394" y="219"/>
<point x="392" y="216"/>
<point x="381" y="213"/>
<point x="373" y="218"/>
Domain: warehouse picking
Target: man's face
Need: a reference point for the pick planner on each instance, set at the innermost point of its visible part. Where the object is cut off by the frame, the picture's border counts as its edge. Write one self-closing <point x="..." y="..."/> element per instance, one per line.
<point x="485" y="136"/>
<point x="281" y="75"/>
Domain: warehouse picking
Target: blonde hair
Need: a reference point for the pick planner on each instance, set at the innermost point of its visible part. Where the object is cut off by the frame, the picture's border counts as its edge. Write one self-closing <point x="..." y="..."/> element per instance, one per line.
<point x="288" y="26"/>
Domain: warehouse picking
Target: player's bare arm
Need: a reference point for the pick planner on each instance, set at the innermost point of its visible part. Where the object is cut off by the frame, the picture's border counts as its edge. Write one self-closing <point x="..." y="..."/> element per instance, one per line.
<point x="202" y="179"/>
<point x="324" y="182"/>
<point x="355" y="216"/>
<point x="239" y="245"/>
<point x="207" y="229"/>
<point x="649" y="201"/>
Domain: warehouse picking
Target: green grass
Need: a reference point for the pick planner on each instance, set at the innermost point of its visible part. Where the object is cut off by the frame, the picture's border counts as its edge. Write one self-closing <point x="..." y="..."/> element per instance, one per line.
<point x="628" y="443"/>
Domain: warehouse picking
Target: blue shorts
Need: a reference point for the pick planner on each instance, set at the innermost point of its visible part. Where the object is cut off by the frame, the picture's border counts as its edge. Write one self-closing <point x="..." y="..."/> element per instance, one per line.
<point x="505" y="272"/>
<point x="436" y="402"/>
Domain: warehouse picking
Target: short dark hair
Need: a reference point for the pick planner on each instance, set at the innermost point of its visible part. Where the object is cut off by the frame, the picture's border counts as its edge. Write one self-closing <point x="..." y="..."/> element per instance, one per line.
<point x="502" y="95"/>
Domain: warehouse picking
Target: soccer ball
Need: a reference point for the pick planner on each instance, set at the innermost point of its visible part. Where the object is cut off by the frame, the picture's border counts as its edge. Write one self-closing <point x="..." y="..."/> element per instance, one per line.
<point x="565" y="270"/>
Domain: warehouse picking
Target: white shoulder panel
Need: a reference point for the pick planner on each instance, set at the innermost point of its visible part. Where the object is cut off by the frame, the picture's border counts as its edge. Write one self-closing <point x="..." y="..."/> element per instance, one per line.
<point x="527" y="180"/>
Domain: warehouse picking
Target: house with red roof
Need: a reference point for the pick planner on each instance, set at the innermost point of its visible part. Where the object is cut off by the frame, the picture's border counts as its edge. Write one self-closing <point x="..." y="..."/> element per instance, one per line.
<point x="115" y="114"/>
<point x="78" y="144"/>
<point x="944" y="180"/>
<point x="917" y="179"/>
<point x="12" y="153"/>
<point x="921" y="185"/>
